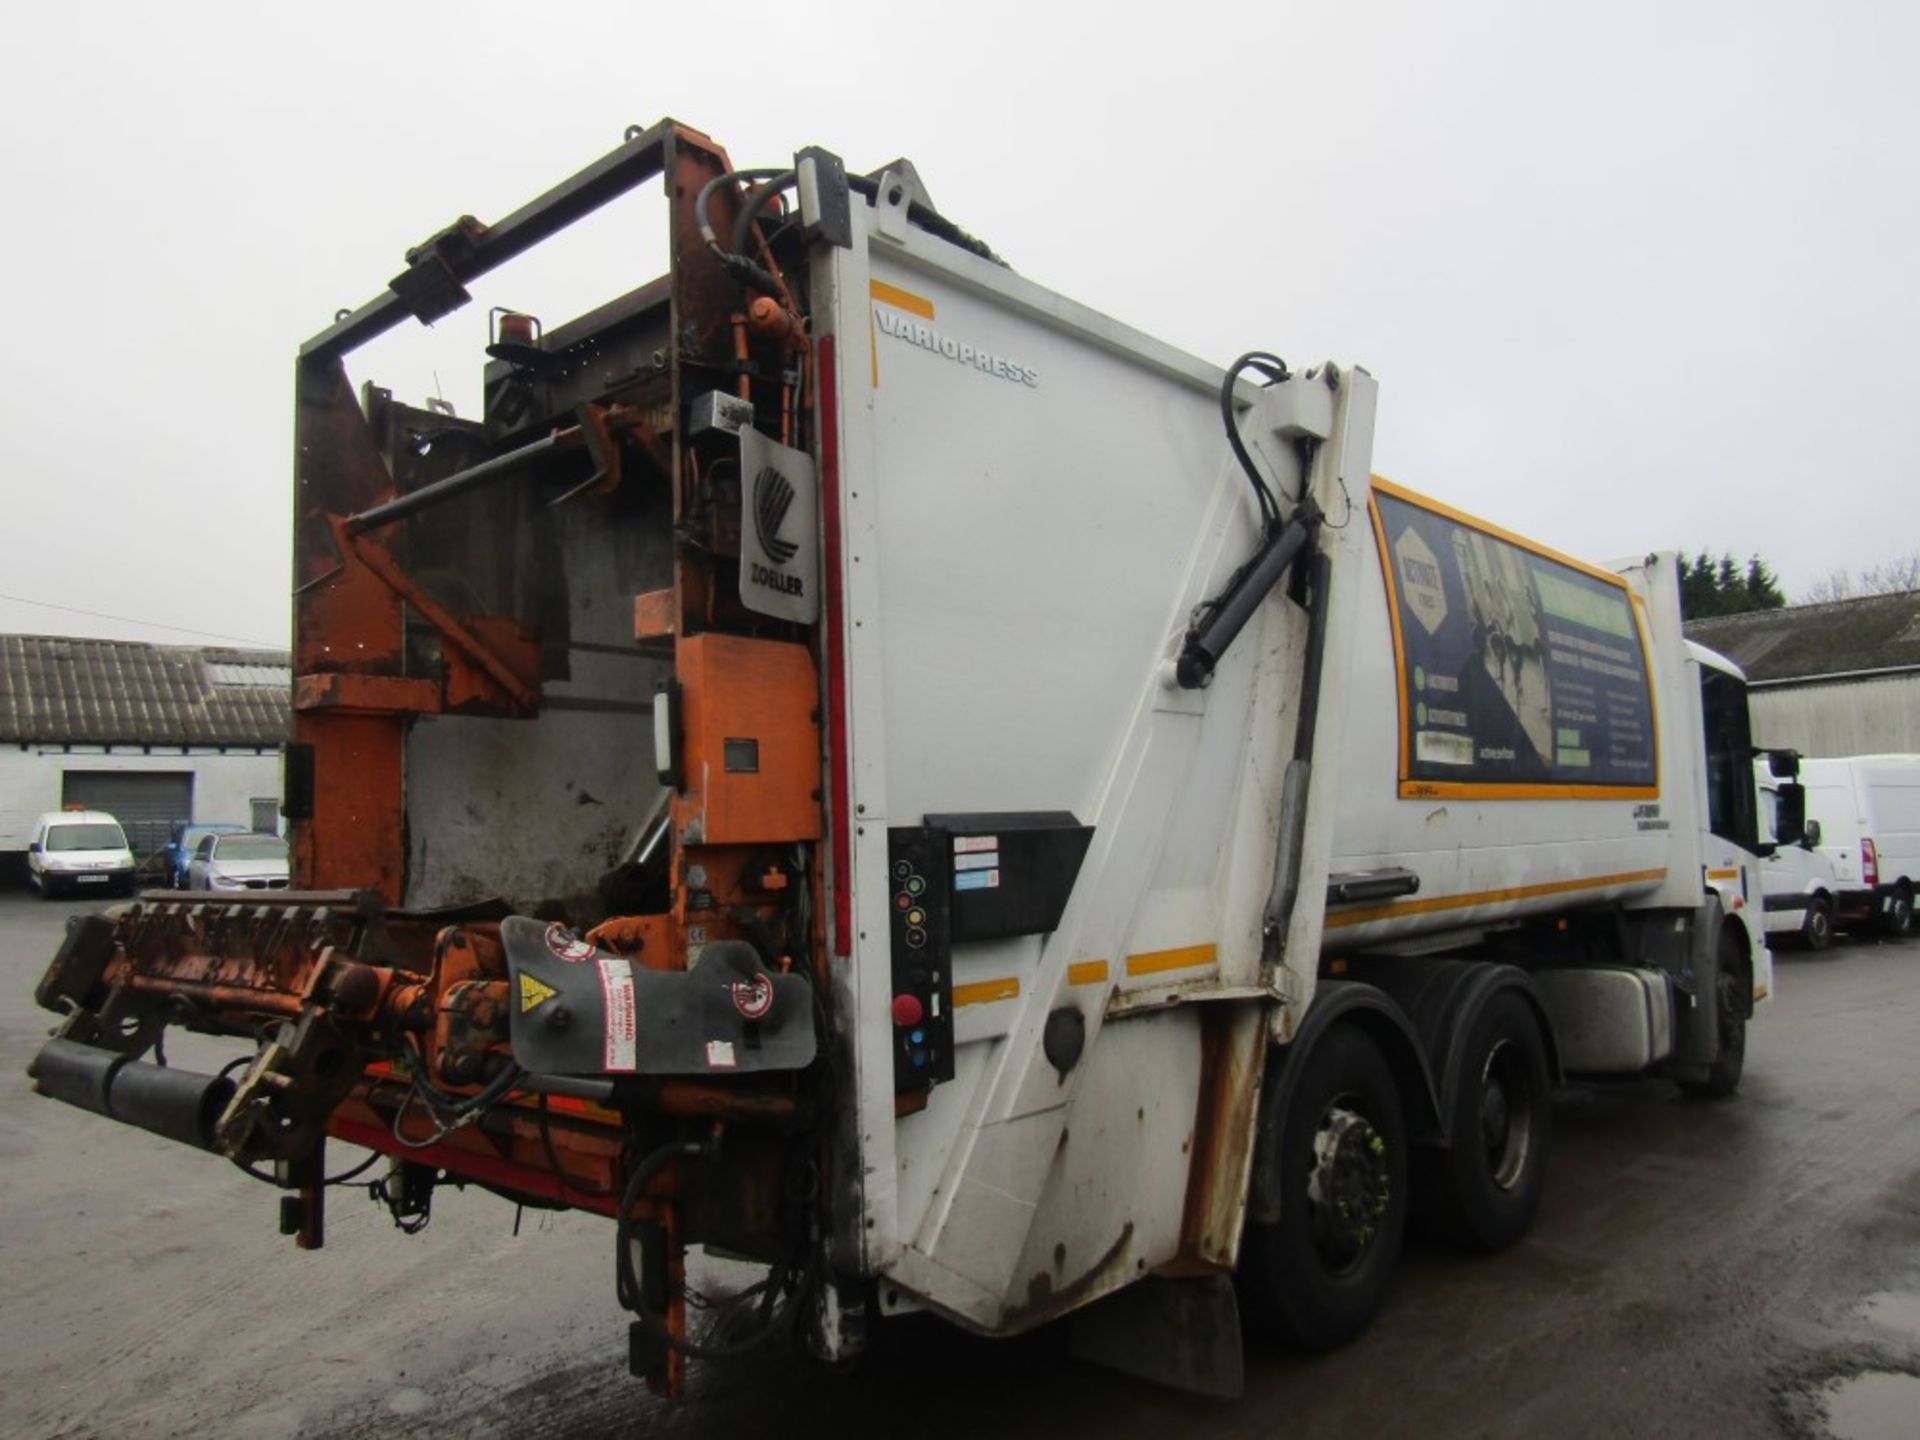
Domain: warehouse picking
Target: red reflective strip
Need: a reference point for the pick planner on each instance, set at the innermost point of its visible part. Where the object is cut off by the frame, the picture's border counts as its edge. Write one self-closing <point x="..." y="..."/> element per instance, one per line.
<point x="834" y="644"/>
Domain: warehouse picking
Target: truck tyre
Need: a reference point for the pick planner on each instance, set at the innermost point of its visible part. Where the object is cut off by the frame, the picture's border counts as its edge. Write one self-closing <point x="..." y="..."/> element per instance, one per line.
<point x="1897" y="918"/>
<point x="1484" y="1190"/>
<point x="1730" y="1054"/>
<point x="1318" y="1273"/>
<point x="1816" y="930"/>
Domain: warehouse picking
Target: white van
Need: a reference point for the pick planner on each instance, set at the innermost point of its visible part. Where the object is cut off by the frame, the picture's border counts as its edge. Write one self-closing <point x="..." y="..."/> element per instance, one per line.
<point x="79" y="850"/>
<point x="1797" y="876"/>
<point x="1868" y="807"/>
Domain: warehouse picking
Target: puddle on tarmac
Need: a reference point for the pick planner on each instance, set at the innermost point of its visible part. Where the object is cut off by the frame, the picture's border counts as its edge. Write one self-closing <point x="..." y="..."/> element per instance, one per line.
<point x="1895" y="1310"/>
<point x="1873" y="1405"/>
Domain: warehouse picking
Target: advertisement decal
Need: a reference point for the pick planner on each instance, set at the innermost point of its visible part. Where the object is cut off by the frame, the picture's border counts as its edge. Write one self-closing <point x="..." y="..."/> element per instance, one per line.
<point x="1520" y="672"/>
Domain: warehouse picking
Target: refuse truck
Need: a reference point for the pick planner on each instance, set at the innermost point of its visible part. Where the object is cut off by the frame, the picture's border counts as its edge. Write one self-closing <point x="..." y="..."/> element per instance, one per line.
<point x="856" y="761"/>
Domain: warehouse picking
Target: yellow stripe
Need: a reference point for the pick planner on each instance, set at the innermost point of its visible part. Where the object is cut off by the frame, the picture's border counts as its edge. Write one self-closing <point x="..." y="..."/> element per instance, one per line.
<point x="1393" y="625"/>
<point x="1486" y="897"/>
<point x="1762" y="992"/>
<point x="1459" y="790"/>
<point x="1188" y="957"/>
<point x="985" y="992"/>
<point x="1723" y="874"/>
<point x="1653" y="685"/>
<point x="1087" y="972"/>
<point x="901" y="299"/>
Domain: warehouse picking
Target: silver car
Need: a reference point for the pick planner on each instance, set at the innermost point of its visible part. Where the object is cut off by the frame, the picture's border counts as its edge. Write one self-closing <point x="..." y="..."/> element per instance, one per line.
<point x="238" y="862"/>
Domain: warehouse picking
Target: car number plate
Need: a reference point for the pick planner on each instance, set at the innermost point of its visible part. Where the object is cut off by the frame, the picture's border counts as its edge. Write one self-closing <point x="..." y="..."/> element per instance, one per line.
<point x="91" y="879"/>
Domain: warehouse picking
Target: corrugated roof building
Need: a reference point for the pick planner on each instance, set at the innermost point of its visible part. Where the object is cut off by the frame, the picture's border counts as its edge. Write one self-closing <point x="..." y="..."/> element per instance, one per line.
<point x="1841" y="678"/>
<point x="152" y="733"/>
<point x="59" y="690"/>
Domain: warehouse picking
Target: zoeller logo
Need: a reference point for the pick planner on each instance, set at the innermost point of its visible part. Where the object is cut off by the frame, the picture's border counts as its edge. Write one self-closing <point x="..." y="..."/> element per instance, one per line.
<point x="772" y="499"/>
<point x="779" y="519"/>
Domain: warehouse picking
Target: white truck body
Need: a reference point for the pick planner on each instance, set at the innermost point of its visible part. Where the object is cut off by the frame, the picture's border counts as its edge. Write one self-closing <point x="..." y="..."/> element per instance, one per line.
<point x="1034" y="501"/>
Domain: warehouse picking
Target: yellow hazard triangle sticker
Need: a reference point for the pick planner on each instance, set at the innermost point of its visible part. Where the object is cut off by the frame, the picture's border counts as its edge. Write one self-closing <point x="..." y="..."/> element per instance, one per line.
<point x="534" y="993"/>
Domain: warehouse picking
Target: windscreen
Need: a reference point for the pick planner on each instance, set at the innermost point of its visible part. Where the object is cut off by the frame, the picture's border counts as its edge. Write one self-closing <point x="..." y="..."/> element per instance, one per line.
<point x="85" y="837"/>
<point x="250" y="847"/>
<point x="1730" y="798"/>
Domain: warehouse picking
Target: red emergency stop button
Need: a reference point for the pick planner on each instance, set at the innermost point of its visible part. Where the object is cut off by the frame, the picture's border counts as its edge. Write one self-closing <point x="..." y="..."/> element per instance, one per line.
<point x="907" y="1010"/>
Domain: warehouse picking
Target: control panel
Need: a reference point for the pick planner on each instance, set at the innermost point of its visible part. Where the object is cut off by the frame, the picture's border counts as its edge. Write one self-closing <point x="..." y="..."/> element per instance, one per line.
<point x="920" y="899"/>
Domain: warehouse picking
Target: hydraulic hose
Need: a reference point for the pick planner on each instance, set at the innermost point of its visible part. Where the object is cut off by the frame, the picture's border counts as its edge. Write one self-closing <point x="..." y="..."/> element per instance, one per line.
<point x="756" y="202"/>
<point x="1275" y="369"/>
<point x="633" y="1297"/>
<point x="931" y="221"/>
<point x="738" y="266"/>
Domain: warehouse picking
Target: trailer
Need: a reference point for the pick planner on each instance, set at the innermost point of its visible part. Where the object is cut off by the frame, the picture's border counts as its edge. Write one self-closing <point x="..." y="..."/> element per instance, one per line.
<point x="857" y="761"/>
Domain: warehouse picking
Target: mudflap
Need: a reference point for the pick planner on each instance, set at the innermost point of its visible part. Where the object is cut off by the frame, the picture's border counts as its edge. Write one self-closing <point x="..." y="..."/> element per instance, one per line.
<point x="1184" y="1334"/>
<point x="578" y="1010"/>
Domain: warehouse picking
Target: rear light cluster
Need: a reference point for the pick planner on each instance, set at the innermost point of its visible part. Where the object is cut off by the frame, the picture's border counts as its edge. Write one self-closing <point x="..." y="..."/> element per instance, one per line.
<point x="1869" y="863"/>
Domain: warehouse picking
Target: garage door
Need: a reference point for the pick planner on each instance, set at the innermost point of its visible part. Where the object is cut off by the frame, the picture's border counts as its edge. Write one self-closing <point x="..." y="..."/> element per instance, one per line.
<point x="144" y="802"/>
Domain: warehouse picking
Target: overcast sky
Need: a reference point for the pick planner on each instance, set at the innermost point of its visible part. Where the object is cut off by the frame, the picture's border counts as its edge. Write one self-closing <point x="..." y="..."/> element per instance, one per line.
<point x="1631" y="276"/>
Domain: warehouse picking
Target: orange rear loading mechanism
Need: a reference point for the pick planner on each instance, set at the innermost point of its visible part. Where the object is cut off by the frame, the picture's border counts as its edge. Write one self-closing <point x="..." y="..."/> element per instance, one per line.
<point x="406" y="1030"/>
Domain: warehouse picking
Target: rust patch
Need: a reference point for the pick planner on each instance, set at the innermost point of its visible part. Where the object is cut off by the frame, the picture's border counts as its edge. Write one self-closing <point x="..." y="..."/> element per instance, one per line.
<point x="1232" y="1057"/>
<point x="1045" y="1300"/>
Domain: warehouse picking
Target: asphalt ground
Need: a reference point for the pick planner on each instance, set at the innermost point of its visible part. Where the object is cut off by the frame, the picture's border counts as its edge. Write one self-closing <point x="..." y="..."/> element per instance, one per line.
<point x="1698" y="1269"/>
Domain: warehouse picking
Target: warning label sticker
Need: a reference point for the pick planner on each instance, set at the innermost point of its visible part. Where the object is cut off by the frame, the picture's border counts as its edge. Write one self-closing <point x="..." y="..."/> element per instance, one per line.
<point x="971" y="844"/>
<point x="977" y="880"/>
<point x="534" y="993"/>
<point x="568" y="946"/>
<point x="720" y="1055"/>
<point x="616" y="987"/>
<point x="987" y="861"/>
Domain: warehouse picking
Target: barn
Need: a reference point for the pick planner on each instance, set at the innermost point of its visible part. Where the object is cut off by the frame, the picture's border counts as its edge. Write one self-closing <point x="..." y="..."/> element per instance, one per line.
<point x="152" y="733"/>
<point x="1841" y="678"/>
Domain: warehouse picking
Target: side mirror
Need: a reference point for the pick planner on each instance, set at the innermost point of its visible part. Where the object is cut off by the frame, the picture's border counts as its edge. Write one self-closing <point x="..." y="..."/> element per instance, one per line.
<point x="34" y="848"/>
<point x="1790" y="812"/>
<point x="1784" y="764"/>
<point x="1811" y="837"/>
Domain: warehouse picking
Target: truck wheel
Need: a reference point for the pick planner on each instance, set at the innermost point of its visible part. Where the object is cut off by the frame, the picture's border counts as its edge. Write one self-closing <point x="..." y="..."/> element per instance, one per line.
<point x="1484" y="1190"/>
<point x="1816" y="930"/>
<point x="1318" y="1273"/>
<point x="1730" y="1055"/>
<point x="1897" y="918"/>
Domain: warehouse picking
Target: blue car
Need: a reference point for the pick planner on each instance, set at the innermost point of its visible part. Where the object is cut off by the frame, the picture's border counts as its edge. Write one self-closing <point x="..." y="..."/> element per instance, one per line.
<point x="183" y="837"/>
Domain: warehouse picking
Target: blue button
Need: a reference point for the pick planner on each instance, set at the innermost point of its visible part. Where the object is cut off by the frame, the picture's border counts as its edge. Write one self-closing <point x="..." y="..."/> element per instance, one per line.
<point x="920" y="1058"/>
<point x="919" y="1037"/>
